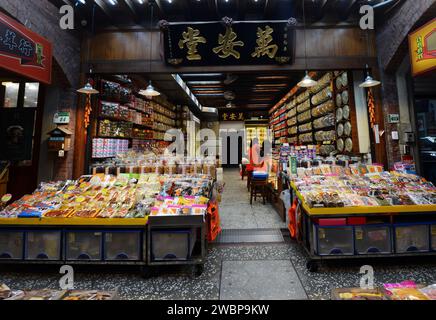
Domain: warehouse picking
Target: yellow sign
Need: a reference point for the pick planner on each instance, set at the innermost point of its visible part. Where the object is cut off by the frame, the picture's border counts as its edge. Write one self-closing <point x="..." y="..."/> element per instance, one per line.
<point x="422" y="44"/>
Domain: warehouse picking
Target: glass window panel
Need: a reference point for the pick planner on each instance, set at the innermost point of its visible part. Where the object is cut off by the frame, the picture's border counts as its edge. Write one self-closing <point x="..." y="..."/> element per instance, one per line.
<point x="31" y="95"/>
<point x="11" y="94"/>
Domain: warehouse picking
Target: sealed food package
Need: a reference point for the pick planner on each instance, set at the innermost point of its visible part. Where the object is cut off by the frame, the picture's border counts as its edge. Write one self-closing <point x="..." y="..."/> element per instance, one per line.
<point x="406" y="290"/>
<point x="429" y="291"/>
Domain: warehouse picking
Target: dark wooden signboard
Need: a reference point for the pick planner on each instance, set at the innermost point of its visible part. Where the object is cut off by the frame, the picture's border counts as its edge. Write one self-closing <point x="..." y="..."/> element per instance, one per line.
<point x="244" y="43"/>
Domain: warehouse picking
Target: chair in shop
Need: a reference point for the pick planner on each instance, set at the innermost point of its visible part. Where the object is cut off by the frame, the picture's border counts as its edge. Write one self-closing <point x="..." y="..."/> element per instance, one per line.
<point x="258" y="188"/>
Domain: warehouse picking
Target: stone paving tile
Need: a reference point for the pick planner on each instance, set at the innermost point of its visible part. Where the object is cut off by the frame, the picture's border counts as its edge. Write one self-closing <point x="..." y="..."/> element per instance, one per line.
<point x="178" y="283"/>
<point x="250" y="280"/>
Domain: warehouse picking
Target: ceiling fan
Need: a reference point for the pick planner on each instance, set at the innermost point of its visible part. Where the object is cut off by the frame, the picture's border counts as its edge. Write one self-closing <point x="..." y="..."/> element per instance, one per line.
<point x="229" y="95"/>
<point x="230" y="78"/>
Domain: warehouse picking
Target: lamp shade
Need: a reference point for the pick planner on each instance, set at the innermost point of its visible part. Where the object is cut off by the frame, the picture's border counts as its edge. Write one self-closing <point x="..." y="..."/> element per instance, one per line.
<point x="307" y="81"/>
<point x="149" y="92"/>
<point x="88" y="89"/>
<point x="369" y="82"/>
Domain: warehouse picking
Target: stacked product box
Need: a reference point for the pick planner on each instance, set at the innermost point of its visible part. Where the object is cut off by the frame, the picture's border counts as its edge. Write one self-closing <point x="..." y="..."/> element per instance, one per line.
<point x="105" y="148"/>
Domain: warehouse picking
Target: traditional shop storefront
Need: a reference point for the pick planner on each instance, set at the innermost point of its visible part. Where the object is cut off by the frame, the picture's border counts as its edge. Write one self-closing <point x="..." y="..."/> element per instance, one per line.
<point x="296" y="108"/>
<point x="26" y="68"/>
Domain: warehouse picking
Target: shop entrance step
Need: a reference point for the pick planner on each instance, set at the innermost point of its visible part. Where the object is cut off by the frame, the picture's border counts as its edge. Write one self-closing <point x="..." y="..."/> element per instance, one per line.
<point x="250" y="236"/>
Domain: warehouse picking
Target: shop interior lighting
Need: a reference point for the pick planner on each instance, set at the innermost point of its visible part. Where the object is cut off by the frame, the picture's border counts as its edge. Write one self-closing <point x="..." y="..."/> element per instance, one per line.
<point x="186" y="75"/>
<point x="369" y="80"/>
<point x="307" y="81"/>
<point x="88" y="89"/>
<point x="140" y="1"/>
<point x="185" y="88"/>
<point x="150" y="91"/>
<point x="112" y="2"/>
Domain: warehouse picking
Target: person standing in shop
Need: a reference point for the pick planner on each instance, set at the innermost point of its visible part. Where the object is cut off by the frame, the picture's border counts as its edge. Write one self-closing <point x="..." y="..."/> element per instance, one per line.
<point x="254" y="158"/>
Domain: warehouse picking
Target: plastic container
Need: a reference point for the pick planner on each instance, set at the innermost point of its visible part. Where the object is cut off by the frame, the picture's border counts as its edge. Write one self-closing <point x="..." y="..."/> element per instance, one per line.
<point x="172" y="244"/>
<point x="122" y="245"/>
<point x="11" y="245"/>
<point x="334" y="240"/>
<point x="43" y="245"/>
<point x="412" y="238"/>
<point x="83" y="245"/>
<point x="373" y="239"/>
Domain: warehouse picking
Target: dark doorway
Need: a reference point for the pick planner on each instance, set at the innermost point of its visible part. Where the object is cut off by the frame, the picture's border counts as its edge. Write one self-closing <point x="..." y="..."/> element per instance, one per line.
<point x="25" y="99"/>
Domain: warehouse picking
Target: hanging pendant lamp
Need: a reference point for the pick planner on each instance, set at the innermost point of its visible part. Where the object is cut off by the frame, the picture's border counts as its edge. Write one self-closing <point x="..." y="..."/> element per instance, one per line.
<point x="369" y="80"/>
<point x="307" y="81"/>
<point x="88" y="89"/>
<point x="150" y="92"/>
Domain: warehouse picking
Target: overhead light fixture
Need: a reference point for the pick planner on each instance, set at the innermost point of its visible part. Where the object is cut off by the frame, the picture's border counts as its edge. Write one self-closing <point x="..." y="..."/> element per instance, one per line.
<point x="88" y="89"/>
<point x="307" y="81"/>
<point x="112" y="2"/>
<point x="369" y="80"/>
<point x="149" y="92"/>
<point x="140" y="1"/>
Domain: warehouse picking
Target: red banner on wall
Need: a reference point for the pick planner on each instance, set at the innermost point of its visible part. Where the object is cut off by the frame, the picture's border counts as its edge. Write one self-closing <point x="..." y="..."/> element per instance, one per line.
<point x="23" y="51"/>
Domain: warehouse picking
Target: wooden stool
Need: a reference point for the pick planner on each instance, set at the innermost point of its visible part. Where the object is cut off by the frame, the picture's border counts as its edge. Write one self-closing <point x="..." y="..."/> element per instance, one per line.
<point x="249" y="176"/>
<point x="258" y="188"/>
<point x="244" y="171"/>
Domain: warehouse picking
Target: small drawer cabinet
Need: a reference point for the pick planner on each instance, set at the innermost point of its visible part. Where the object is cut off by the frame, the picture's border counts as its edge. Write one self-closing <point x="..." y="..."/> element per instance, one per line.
<point x="334" y="240"/>
<point x="84" y="245"/>
<point x="43" y="245"/>
<point x="373" y="239"/>
<point x="11" y="245"/>
<point x="412" y="238"/>
<point x="122" y="245"/>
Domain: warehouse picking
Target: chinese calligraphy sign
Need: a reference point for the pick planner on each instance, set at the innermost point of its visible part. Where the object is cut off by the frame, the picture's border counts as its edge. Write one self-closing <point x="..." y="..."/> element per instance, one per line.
<point x="191" y="39"/>
<point x="232" y="116"/>
<point x="212" y="43"/>
<point x="23" y="51"/>
<point x="263" y="43"/>
<point x="227" y="44"/>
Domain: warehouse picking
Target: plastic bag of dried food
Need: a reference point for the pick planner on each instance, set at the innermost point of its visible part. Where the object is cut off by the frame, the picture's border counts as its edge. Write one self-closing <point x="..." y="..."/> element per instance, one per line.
<point x="429" y="291"/>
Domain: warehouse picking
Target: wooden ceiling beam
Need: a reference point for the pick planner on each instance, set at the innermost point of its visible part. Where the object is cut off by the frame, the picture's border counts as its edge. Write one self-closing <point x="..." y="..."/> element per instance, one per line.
<point x="159" y="5"/>
<point x="128" y="4"/>
<point x="105" y="8"/>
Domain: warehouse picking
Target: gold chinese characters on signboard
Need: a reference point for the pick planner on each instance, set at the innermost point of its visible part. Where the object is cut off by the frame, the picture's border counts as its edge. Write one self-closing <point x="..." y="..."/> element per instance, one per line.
<point x="227" y="44"/>
<point x="232" y="116"/>
<point x="264" y="46"/>
<point x="191" y="39"/>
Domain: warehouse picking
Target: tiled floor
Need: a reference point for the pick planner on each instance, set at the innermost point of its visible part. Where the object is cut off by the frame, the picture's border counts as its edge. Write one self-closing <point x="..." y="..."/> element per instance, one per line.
<point x="232" y="271"/>
<point x="236" y="211"/>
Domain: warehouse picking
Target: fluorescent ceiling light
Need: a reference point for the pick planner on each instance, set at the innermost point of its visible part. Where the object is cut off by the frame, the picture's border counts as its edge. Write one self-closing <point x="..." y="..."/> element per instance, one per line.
<point x="204" y="82"/>
<point x="202" y="74"/>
